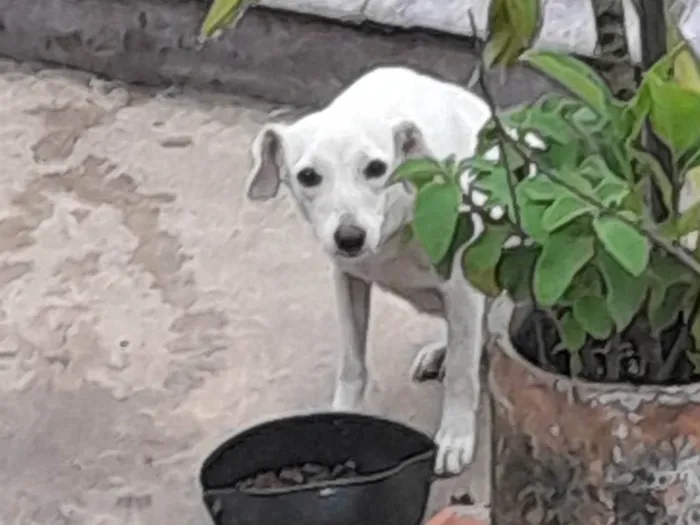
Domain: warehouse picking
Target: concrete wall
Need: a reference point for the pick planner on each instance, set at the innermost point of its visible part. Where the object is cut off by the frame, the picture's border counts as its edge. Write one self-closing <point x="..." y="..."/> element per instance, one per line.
<point x="568" y="25"/>
<point x="300" y="57"/>
<point x="276" y="55"/>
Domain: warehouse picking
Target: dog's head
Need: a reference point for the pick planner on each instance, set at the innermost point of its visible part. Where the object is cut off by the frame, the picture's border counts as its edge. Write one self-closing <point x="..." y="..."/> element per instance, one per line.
<point x="339" y="174"/>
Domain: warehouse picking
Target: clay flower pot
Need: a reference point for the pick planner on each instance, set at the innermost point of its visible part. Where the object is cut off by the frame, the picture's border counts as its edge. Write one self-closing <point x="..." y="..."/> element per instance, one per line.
<point x="571" y="452"/>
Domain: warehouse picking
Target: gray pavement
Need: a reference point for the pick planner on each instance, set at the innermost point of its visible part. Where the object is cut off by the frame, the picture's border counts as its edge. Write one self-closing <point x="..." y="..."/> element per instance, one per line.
<point x="147" y="310"/>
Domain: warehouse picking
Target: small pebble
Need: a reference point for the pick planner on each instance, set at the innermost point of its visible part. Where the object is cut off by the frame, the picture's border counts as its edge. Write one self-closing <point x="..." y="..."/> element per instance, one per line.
<point x="461" y="498"/>
<point x="298" y="475"/>
<point x="338" y="471"/>
<point x="311" y="469"/>
<point x="267" y="480"/>
<point x="292" y="476"/>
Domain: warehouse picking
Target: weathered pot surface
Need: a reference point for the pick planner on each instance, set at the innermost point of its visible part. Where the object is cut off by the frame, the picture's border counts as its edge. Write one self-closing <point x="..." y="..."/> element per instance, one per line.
<point x="570" y="452"/>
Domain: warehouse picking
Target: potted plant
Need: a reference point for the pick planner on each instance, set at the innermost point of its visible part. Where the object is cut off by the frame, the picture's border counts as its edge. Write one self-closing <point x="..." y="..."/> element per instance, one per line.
<point x="572" y="217"/>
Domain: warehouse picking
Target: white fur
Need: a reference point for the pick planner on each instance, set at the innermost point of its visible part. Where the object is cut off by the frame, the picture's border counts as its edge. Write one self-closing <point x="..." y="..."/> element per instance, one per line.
<point x="388" y="114"/>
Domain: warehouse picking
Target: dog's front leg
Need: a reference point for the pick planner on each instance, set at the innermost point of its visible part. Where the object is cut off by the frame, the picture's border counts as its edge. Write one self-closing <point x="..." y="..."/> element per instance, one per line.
<point x="353" y="297"/>
<point x="456" y="436"/>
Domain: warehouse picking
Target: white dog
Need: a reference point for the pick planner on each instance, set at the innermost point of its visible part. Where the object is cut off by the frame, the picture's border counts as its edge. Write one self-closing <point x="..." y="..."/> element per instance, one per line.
<point x="337" y="163"/>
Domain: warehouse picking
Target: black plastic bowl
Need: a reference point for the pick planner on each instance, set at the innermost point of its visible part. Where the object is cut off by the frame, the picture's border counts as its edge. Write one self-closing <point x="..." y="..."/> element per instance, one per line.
<point x="395" y="464"/>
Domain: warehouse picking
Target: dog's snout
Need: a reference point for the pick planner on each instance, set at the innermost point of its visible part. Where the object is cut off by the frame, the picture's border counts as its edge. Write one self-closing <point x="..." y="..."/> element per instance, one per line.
<point x="350" y="238"/>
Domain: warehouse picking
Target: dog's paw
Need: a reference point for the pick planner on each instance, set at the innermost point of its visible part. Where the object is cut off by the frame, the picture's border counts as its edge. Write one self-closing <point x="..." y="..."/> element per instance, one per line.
<point x="456" y="444"/>
<point x="429" y="362"/>
<point x="348" y="396"/>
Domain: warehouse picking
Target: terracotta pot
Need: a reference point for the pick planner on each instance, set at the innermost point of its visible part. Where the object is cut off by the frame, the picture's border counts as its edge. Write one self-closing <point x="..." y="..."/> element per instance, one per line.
<point x="571" y="452"/>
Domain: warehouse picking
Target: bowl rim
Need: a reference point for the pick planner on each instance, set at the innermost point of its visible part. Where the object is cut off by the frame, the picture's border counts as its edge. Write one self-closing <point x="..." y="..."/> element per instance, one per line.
<point x="318" y="485"/>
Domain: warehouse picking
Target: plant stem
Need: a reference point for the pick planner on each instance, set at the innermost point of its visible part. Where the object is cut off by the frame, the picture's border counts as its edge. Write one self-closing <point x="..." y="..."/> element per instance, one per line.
<point x="652" y="26"/>
<point x="653" y="38"/>
<point x="490" y="101"/>
<point x="589" y="362"/>
<point x="504" y="156"/>
<point x="542" y="358"/>
<point x="670" y="363"/>
<point x="679" y="345"/>
<point x="613" y="358"/>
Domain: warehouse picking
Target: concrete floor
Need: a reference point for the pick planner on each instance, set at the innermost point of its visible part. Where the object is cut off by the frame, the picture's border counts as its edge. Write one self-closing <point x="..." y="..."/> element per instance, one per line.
<point x="147" y="310"/>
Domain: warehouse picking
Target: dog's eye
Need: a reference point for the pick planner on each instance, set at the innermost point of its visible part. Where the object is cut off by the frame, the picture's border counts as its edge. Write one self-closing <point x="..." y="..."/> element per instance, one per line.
<point x="375" y="169"/>
<point x="308" y="177"/>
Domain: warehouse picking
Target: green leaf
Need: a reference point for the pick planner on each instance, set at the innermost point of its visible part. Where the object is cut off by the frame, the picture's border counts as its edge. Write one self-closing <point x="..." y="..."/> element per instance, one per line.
<point x="695" y="331"/>
<point x="609" y="188"/>
<point x="675" y="112"/>
<point x="611" y="192"/>
<point x="575" y="364"/>
<point x="540" y="189"/>
<point x="561" y="158"/>
<point x="665" y="270"/>
<point x="663" y="69"/>
<point x="546" y="117"/>
<point x="636" y="112"/>
<point x="419" y="171"/>
<point x="435" y="217"/>
<point x="665" y="305"/>
<point x="691" y="161"/>
<point x="685" y="67"/>
<point x="481" y="258"/>
<point x="596" y="170"/>
<point x="592" y="313"/>
<point x="452" y="169"/>
<point x="624" y="294"/>
<point x="689" y="221"/>
<point x="499" y="48"/>
<point x="515" y="271"/>
<point x="563" y="255"/>
<point x="513" y="25"/>
<point x="464" y="230"/>
<point x="221" y="14"/>
<point x="575" y="76"/>
<point x="495" y="185"/>
<point x="531" y="213"/>
<point x="626" y="245"/>
<point x="564" y="210"/>
<point x="586" y="282"/>
<point x="648" y="162"/>
<point x="691" y="295"/>
<point x="574" y="177"/>
<point x="572" y="334"/>
<point x="587" y="121"/>
<point x="635" y="202"/>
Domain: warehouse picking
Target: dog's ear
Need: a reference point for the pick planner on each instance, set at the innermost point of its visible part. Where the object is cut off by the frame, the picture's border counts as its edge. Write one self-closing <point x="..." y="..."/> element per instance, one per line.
<point x="409" y="141"/>
<point x="267" y="152"/>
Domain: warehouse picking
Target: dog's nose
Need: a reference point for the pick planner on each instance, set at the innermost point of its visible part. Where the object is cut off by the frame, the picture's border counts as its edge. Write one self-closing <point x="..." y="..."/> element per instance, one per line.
<point x="349" y="238"/>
